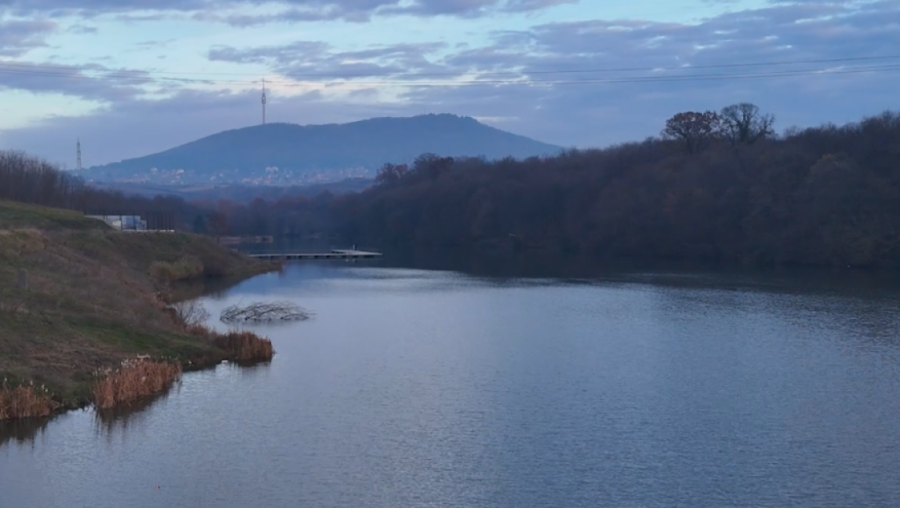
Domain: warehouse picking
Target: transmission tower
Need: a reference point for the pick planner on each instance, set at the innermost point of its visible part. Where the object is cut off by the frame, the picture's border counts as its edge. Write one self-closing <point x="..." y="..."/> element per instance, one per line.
<point x="78" y="151"/>
<point x="264" y="101"/>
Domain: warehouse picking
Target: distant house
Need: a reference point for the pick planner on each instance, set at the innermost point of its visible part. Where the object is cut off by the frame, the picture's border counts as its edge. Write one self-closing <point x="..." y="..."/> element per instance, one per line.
<point x="123" y="222"/>
<point x="133" y="220"/>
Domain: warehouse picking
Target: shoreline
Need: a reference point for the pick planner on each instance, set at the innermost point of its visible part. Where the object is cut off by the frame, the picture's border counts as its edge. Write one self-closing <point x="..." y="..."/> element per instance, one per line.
<point x="78" y="300"/>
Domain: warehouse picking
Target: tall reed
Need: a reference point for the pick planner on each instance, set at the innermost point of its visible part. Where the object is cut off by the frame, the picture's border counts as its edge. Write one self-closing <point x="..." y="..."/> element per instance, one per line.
<point x="132" y="380"/>
<point x="244" y="346"/>
<point x="239" y="346"/>
<point x="24" y="401"/>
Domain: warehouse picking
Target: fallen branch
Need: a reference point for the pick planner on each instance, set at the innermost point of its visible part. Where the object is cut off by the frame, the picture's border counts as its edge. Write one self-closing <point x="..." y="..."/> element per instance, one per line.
<point x="265" y="312"/>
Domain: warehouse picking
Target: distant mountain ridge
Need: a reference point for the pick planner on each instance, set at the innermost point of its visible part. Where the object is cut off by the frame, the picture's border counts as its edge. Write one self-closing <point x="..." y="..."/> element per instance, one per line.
<point x="290" y="154"/>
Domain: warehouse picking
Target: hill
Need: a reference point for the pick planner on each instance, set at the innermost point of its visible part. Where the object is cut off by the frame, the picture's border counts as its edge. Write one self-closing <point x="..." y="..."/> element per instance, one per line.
<point x="90" y="298"/>
<point x="289" y="154"/>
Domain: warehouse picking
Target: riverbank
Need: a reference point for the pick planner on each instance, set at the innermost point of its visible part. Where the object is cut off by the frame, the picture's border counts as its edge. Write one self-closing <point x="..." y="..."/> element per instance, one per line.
<point x="77" y="297"/>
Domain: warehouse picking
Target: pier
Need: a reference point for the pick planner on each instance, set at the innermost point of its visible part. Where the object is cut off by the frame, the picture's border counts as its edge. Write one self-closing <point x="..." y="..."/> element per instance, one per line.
<point x="334" y="254"/>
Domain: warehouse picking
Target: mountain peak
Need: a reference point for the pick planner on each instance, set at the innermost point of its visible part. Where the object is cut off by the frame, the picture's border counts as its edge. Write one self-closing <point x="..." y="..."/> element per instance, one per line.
<point x="291" y="154"/>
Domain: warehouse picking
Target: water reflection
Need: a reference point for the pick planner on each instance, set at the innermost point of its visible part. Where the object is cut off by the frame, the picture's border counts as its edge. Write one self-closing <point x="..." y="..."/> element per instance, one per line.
<point x="667" y="273"/>
<point x="509" y="265"/>
<point x="120" y="419"/>
<point x="22" y="431"/>
<point x="212" y="287"/>
<point x="123" y="416"/>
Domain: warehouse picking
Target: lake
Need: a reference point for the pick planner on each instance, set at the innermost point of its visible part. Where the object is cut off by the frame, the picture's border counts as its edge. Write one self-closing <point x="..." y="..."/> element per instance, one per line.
<point x="499" y="385"/>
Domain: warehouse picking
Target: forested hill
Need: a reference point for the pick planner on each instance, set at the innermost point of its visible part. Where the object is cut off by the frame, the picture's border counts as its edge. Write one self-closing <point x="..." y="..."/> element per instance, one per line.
<point x="288" y="154"/>
<point x="827" y="195"/>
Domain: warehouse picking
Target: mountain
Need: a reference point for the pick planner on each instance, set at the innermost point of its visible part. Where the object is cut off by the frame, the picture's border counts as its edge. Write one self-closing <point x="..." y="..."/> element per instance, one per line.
<point x="289" y="154"/>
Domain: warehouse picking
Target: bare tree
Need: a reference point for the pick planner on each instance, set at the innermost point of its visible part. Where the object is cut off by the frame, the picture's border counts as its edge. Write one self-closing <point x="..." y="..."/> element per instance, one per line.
<point x="218" y="224"/>
<point x="265" y="312"/>
<point x="191" y="312"/>
<point x="744" y="123"/>
<point x="695" y="129"/>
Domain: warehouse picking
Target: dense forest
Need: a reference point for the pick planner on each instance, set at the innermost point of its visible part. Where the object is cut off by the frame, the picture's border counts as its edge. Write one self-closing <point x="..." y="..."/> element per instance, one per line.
<point x="713" y="186"/>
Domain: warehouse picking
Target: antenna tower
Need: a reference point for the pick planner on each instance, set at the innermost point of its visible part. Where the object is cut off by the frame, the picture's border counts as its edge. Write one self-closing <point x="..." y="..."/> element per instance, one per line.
<point x="264" y="101"/>
<point x="78" y="151"/>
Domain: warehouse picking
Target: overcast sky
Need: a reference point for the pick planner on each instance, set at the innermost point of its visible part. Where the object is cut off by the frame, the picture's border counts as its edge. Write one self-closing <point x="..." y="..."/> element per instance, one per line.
<point x="131" y="80"/>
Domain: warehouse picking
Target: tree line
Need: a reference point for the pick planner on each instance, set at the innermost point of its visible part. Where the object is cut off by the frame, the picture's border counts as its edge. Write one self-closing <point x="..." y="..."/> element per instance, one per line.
<point x="29" y="179"/>
<point x="712" y="186"/>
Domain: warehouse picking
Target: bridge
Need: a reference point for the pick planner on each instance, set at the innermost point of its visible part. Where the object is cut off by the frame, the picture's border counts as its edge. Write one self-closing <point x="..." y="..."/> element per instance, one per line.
<point x="334" y="254"/>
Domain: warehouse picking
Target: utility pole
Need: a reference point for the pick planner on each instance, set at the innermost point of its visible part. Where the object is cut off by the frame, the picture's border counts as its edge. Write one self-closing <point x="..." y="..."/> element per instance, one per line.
<point x="264" y="102"/>
<point x="78" y="151"/>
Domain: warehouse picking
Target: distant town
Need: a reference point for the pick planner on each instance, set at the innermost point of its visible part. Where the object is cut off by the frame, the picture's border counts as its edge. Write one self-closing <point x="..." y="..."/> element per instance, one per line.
<point x="269" y="176"/>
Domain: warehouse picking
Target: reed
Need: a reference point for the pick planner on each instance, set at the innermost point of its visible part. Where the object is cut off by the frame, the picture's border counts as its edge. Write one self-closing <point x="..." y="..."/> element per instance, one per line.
<point x="238" y="345"/>
<point x="244" y="346"/>
<point x="132" y="380"/>
<point x="25" y="401"/>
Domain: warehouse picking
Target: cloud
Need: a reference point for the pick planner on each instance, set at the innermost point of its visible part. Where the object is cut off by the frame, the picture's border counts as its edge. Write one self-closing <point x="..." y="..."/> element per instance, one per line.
<point x="313" y="60"/>
<point x="467" y="8"/>
<point x="91" y="81"/>
<point x="597" y="82"/>
<point x="17" y="37"/>
<point x="292" y="10"/>
<point x="584" y="83"/>
<point x="81" y="29"/>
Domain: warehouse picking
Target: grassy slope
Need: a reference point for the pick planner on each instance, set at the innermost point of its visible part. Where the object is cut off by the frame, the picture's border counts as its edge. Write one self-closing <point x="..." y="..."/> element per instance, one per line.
<point x="90" y="301"/>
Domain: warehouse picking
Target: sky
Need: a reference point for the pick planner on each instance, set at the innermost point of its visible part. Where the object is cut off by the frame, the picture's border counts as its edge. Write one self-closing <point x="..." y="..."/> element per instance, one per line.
<point x="133" y="77"/>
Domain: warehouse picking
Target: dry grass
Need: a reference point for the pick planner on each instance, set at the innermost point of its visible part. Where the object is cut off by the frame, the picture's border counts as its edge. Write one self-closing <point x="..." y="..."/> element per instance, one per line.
<point x="186" y="268"/>
<point x="245" y="346"/>
<point x="61" y="329"/>
<point x="26" y="401"/>
<point x="134" y="379"/>
<point x="239" y="346"/>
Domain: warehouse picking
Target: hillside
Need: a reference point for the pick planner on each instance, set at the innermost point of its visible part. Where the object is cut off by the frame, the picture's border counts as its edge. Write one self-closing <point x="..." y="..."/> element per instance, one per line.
<point x="288" y="154"/>
<point x="90" y="301"/>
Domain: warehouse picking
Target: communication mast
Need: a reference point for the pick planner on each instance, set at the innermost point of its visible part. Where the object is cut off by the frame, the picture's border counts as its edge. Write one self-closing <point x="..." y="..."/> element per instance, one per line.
<point x="264" y="101"/>
<point x="78" y="151"/>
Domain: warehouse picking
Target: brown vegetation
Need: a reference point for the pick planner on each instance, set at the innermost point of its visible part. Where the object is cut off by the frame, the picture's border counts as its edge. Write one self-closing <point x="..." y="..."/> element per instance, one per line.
<point x="90" y="301"/>
<point x="245" y="346"/>
<point x="24" y="401"/>
<point x="237" y="345"/>
<point x="132" y="380"/>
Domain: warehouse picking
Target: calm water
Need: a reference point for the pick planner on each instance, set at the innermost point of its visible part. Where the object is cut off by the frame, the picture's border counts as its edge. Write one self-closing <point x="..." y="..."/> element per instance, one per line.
<point x="425" y="388"/>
